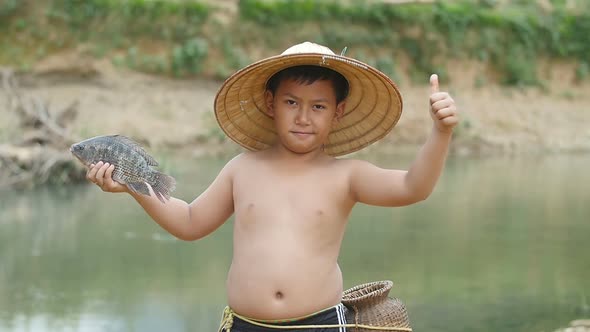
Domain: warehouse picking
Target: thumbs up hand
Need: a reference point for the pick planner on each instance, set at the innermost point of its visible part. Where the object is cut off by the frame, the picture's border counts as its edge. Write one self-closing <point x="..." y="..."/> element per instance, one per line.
<point x="442" y="107"/>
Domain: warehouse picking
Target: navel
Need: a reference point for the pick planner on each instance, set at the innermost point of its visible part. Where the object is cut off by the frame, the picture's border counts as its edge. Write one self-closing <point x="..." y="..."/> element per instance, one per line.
<point x="279" y="295"/>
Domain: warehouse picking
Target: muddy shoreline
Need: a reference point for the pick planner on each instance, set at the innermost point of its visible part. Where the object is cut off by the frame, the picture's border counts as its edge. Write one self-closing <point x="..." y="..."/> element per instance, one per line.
<point x="176" y="116"/>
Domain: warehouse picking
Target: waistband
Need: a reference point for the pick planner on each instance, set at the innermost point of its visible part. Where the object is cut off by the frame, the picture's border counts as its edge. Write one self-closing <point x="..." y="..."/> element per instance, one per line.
<point x="319" y="322"/>
<point x="332" y="318"/>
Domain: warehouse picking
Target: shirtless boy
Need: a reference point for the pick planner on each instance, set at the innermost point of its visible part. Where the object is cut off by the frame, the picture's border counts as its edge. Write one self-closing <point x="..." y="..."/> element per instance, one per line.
<point x="291" y="197"/>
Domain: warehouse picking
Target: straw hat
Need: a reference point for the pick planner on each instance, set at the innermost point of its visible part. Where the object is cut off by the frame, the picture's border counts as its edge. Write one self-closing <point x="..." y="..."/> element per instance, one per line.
<point x="373" y="105"/>
<point x="371" y="309"/>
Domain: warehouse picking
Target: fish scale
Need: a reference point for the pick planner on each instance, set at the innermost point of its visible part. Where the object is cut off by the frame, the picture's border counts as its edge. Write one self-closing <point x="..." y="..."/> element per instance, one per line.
<point x="133" y="165"/>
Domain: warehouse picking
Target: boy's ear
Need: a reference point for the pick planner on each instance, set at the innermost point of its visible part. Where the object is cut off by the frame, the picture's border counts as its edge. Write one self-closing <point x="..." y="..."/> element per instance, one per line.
<point x="339" y="111"/>
<point x="268" y="101"/>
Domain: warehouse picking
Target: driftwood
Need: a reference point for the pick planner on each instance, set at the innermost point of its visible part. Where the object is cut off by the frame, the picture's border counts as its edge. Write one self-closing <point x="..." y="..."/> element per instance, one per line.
<point x="580" y="325"/>
<point x="40" y="154"/>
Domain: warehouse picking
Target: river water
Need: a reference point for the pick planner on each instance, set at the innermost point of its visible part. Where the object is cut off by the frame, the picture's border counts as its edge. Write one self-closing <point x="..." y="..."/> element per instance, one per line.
<point x="503" y="244"/>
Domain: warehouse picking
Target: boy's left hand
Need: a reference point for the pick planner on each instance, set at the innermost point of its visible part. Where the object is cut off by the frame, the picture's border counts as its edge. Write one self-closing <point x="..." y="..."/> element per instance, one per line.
<point x="442" y="107"/>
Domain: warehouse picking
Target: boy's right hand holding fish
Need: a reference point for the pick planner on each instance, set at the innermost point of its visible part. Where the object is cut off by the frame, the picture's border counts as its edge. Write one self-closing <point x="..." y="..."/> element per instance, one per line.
<point x="101" y="174"/>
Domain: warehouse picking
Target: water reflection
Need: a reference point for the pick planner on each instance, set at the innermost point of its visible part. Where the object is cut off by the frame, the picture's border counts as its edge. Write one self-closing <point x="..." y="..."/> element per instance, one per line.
<point x="502" y="244"/>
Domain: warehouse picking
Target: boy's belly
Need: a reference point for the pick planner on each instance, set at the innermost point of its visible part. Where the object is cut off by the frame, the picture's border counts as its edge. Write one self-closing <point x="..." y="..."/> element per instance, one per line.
<point x="268" y="290"/>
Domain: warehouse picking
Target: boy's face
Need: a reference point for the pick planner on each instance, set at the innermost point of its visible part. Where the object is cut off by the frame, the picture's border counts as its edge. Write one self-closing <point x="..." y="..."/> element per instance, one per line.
<point x="303" y="113"/>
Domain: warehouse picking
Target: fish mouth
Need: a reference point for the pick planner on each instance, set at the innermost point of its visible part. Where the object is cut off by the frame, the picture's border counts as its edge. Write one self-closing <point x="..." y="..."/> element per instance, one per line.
<point x="78" y="157"/>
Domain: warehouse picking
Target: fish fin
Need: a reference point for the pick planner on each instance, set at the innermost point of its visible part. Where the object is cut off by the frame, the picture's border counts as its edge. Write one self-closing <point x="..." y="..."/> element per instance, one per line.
<point x="136" y="147"/>
<point x="163" y="185"/>
<point x="139" y="187"/>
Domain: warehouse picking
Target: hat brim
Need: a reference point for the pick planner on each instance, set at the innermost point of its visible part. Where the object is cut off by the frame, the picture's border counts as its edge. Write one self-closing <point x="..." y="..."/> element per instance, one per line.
<point x="373" y="106"/>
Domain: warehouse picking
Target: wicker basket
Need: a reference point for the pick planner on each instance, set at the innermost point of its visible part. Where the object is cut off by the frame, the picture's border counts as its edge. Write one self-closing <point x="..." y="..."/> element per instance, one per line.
<point x="369" y="305"/>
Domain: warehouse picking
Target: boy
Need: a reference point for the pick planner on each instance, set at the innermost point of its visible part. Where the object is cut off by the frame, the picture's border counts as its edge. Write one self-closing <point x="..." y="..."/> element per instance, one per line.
<point x="290" y="196"/>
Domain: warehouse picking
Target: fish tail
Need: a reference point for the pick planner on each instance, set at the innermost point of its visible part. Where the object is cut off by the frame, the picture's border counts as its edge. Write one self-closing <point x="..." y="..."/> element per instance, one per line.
<point x="139" y="187"/>
<point x="163" y="185"/>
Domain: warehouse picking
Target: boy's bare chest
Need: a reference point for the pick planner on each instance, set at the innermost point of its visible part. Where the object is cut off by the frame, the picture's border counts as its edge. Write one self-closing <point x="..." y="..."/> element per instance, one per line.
<point x="285" y="196"/>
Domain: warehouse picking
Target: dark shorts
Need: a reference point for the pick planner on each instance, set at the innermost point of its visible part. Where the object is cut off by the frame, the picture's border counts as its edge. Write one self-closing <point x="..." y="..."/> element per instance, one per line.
<point x="331" y="316"/>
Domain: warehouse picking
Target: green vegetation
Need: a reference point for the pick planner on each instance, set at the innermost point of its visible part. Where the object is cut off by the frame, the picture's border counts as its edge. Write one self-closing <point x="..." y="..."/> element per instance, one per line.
<point x="181" y="38"/>
<point x="508" y="37"/>
<point x="150" y="35"/>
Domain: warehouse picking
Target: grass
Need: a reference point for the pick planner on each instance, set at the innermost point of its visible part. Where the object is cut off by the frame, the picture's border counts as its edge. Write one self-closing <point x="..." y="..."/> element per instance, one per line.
<point x="180" y="38"/>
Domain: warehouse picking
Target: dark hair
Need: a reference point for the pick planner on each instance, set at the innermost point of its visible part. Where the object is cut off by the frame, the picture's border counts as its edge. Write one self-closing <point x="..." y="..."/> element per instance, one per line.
<point x="308" y="74"/>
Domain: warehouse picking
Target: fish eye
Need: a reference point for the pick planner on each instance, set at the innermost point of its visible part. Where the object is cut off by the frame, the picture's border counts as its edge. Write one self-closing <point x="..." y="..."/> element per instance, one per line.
<point x="79" y="147"/>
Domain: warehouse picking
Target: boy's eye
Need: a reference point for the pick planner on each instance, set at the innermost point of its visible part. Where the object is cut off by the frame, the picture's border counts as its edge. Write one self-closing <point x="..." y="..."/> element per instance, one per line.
<point x="319" y="107"/>
<point x="291" y="102"/>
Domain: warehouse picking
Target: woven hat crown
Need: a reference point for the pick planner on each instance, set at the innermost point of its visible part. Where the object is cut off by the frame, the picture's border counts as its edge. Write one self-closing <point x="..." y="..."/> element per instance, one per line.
<point x="307" y="47"/>
<point x="373" y="105"/>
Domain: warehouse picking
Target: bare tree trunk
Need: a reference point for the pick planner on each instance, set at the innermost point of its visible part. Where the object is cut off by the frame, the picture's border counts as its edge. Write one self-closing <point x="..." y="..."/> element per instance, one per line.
<point x="40" y="154"/>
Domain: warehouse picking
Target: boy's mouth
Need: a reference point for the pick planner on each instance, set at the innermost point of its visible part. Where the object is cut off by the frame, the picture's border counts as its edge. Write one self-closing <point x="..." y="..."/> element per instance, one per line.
<point x="301" y="133"/>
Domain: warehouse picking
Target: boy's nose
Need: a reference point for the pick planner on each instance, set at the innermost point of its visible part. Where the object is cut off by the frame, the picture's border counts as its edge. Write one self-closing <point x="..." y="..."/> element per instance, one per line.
<point x="302" y="117"/>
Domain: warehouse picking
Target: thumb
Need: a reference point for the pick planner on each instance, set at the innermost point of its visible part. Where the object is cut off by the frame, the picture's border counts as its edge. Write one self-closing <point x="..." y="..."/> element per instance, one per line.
<point x="433" y="83"/>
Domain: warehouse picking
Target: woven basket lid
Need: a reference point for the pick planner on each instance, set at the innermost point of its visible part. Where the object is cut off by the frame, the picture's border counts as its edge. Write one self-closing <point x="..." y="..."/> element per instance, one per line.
<point x="373" y="105"/>
<point x="370" y="305"/>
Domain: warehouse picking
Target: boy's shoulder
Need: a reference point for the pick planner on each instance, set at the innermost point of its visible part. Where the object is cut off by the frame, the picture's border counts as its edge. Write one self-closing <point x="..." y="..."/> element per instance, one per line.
<point x="350" y="165"/>
<point x="248" y="157"/>
<point x="243" y="159"/>
<point x="244" y="162"/>
<point x="258" y="158"/>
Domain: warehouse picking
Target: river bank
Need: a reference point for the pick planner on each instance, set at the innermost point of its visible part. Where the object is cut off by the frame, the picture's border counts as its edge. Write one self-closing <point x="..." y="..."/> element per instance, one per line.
<point x="150" y="70"/>
<point x="171" y="114"/>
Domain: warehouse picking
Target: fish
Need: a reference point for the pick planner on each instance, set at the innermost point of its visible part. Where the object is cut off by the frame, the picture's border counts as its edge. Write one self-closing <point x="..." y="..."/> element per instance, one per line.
<point x="134" y="167"/>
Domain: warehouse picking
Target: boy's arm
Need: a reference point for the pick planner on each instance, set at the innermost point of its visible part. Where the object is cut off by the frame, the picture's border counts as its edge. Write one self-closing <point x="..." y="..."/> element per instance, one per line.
<point x="185" y="221"/>
<point x="376" y="186"/>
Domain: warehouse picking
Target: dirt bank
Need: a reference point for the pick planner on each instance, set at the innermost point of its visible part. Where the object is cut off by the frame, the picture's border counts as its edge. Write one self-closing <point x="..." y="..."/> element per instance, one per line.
<point x="172" y="114"/>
